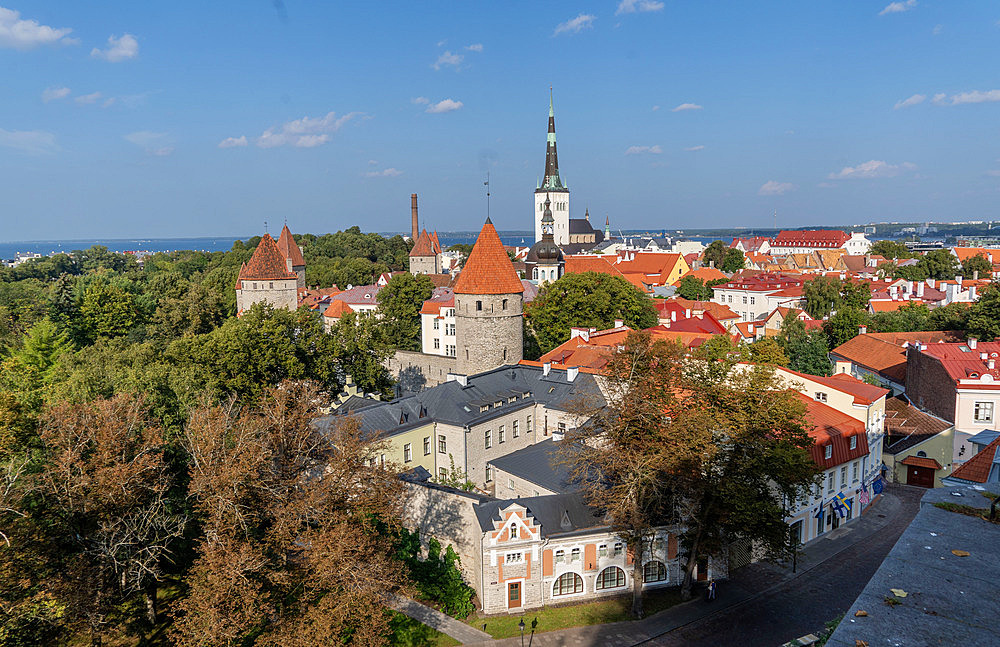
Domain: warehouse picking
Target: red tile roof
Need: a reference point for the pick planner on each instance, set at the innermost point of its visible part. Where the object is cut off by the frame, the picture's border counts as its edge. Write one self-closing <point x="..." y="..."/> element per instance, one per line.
<point x="488" y="269"/>
<point x="705" y="274"/>
<point x="863" y="393"/>
<point x="977" y="469"/>
<point x="579" y="263"/>
<point x="442" y="298"/>
<point x="920" y="461"/>
<point x="962" y="362"/>
<point x="266" y="264"/>
<point x="830" y="427"/>
<point x="288" y="247"/>
<point x="884" y="352"/>
<point x="424" y="245"/>
<point x="337" y="309"/>
<point x="832" y="238"/>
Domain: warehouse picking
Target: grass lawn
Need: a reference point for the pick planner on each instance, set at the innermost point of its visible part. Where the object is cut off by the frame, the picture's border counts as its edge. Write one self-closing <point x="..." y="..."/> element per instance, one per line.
<point x="575" y="615"/>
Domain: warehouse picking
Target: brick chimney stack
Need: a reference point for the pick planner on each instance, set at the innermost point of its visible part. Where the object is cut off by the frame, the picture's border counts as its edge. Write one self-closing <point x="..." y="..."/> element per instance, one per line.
<point x="413" y="215"/>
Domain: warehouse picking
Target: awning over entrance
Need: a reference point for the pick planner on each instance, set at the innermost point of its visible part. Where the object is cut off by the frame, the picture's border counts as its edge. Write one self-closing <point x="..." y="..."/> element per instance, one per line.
<point x="918" y="461"/>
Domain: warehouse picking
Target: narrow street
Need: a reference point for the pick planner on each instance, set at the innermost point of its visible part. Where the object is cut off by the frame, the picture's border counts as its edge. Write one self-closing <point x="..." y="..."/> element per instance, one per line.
<point x="772" y="605"/>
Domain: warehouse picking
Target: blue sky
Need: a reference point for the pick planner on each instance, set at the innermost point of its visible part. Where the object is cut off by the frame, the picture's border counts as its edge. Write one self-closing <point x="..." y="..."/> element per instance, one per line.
<point x="122" y="119"/>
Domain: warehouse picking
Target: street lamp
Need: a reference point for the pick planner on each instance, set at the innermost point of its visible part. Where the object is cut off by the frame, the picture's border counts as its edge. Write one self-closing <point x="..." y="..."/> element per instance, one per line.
<point x="520" y="626"/>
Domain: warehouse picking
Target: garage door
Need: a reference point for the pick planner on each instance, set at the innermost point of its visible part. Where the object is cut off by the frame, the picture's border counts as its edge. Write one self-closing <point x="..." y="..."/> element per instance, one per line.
<point x="921" y="476"/>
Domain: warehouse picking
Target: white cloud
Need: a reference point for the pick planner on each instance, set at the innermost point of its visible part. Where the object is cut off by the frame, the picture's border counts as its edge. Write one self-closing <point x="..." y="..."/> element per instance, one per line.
<point x="912" y="101"/>
<point x="871" y="169"/>
<point x="692" y="149"/>
<point x="420" y="101"/>
<point x="475" y="47"/>
<point x="445" y="105"/>
<point x="447" y="58"/>
<point x="655" y="108"/>
<point x="632" y="6"/>
<point x="16" y="33"/>
<point x="898" y="7"/>
<point x="110" y="101"/>
<point x="51" y="94"/>
<point x="307" y="132"/>
<point x="88" y="99"/>
<point x="975" y="96"/>
<point x="576" y="25"/>
<point x="119" y="49"/>
<point x="33" y="142"/>
<point x="939" y="99"/>
<point x="233" y="142"/>
<point x="389" y="172"/>
<point x="639" y="150"/>
<point x="687" y="106"/>
<point x="773" y="187"/>
<point x="155" y="144"/>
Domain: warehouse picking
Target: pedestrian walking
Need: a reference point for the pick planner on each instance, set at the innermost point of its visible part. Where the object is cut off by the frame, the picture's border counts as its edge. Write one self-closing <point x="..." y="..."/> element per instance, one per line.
<point x="711" y="589"/>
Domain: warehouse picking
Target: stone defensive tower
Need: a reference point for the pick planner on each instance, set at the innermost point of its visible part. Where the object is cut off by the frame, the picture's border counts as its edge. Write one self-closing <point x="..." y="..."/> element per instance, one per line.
<point x="489" y="308"/>
<point x="294" y="260"/>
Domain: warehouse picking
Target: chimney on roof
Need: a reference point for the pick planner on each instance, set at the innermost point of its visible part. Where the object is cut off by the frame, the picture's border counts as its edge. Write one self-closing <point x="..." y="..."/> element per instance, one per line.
<point x="972" y="293"/>
<point x="546" y="368"/>
<point x="931" y="283"/>
<point x="975" y="275"/>
<point x="992" y="363"/>
<point x="673" y="315"/>
<point x="413" y="216"/>
<point x="458" y="377"/>
<point x="862" y="330"/>
<point x="687" y="313"/>
<point x="920" y="289"/>
<point x="619" y="323"/>
<point x="572" y="372"/>
<point x="958" y="279"/>
<point x="983" y="356"/>
<point x="972" y="342"/>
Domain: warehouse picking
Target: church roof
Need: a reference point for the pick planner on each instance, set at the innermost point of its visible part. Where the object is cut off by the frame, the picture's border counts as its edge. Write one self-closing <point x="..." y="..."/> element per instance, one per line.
<point x="551" y="181"/>
<point x="488" y="269"/>
<point x="288" y="247"/>
<point x="266" y="264"/>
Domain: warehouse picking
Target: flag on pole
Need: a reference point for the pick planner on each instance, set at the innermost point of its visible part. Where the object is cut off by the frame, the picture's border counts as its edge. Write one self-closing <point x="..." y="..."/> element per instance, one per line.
<point x="863" y="497"/>
<point x="877" y="486"/>
<point x="841" y="505"/>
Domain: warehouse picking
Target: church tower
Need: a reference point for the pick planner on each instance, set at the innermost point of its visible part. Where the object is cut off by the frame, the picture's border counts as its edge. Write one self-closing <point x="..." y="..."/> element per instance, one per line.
<point x="552" y="189"/>
<point x="545" y="260"/>
<point x="489" y="308"/>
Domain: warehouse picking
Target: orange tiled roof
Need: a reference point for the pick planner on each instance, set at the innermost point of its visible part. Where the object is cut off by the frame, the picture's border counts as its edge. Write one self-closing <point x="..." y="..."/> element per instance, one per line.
<point x="424" y="245"/>
<point x="579" y="263"/>
<point x="831" y="427"/>
<point x="266" y="264"/>
<point x="337" y="310"/>
<point x="288" y="247"/>
<point x="488" y="269"/>
<point x="884" y="353"/>
<point x="705" y="274"/>
<point x="919" y="461"/>
<point x="977" y="469"/>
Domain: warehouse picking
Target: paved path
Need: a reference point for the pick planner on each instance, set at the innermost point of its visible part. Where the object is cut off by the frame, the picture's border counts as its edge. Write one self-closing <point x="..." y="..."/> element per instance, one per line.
<point x="763" y="604"/>
<point x="437" y="620"/>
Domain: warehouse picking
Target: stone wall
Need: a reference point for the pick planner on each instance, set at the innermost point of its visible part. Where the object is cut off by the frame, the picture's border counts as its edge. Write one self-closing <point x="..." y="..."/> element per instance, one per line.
<point x="928" y="385"/>
<point x="488" y="331"/>
<point x="425" y="264"/>
<point x="448" y="516"/>
<point x="280" y="294"/>
<point x="417" y="371"/>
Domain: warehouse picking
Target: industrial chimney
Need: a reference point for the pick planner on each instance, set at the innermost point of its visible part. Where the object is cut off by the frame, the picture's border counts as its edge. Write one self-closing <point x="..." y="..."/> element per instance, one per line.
<point x="413" y="215"/>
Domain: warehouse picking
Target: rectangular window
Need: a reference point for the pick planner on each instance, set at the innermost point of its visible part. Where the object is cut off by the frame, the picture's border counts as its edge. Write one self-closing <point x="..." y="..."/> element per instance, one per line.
<point x="449" y="329"/>
<point x="489" y="473"/>
<point x="501" y="434"/>
<point x="984" y="412"/>
<point x="442" y="445"/>
<point x="830" y="481"/>
<point x="442" y="474"/>
<point x="489" y="439"/>
<point x="510" y="483"/>
<point x="744" y="300"/>
<point x="828" y="451"/>
<point x="562" y="427"/>
<point x="449" y="350"/>
<point x="854" y="442"/>
<point x="820" y="396"/>
<point x="407" y="453"/>
<point x="618" y="549"/>
<point x="843" y="476"/>
<point x="854" y="472"/>
<point x="560" y="556"/>
<point x="752" y="300"/>
<point x="514" y="429"/>
<point x="513" y="558"/>
<point x="437" y="324"/>
<point x="603" y="550"/>
<point x="437" y="343"/>
<point x="427" y="445"/>
<point x="527" y="424"/>
<point x="574" y="555"/>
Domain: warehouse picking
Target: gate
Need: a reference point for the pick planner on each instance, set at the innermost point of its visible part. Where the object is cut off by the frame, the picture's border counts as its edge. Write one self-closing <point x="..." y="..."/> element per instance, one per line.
<point x="740" y="554"/>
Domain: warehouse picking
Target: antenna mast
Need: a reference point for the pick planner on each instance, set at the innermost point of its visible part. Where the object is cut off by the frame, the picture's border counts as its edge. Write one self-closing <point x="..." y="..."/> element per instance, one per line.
<point x="487" y="183"/>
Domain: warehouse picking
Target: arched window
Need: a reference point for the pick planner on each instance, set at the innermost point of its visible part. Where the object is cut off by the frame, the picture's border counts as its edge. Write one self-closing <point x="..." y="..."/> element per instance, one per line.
<point x="922" y="454"/>
<point x="654" y="571"/>
<point x="567" y="584"/>
<point x="610" y="578"/>
<point x="534" y="273"/>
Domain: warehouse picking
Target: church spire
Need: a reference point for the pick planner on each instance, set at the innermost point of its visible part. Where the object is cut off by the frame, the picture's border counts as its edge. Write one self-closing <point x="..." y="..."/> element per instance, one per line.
<point x="551" y="180"/>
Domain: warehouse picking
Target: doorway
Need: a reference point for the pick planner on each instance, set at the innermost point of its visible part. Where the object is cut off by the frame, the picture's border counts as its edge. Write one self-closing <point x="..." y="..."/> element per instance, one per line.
<point x="514" y="595"/>
<point x="919" y="476"/>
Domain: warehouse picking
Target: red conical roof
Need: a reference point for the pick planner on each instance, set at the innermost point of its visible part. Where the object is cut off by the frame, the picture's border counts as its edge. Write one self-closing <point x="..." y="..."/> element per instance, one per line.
<point x="488" y="269"/>
<point x="266" y="264"/>
<point x="424" y="246"/>
<point x="288" y="247"/>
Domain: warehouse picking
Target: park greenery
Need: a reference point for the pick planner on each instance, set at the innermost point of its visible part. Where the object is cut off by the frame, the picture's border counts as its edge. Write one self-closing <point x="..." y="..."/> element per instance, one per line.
<point x="722" y="257"/>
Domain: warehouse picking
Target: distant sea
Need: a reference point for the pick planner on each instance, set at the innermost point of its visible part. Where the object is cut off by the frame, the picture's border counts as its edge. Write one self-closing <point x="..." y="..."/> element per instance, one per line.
<point x="225" y="243"/>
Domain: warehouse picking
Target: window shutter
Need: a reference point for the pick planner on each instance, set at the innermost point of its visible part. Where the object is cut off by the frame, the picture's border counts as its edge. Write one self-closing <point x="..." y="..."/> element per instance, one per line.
<point x="547" y="562"/>
<point x="672" y="547"/>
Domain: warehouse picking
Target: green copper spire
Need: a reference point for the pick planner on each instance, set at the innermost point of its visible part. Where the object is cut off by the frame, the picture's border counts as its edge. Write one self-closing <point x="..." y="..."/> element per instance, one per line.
<point x="551" y="180"/>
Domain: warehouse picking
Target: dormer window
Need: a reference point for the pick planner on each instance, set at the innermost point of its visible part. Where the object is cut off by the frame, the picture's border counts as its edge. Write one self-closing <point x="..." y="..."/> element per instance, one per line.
<point x="828" y="452"/>
<point x="820" y="396"/>
<point x="854" y="442"/>
<point x="513" y="530"/>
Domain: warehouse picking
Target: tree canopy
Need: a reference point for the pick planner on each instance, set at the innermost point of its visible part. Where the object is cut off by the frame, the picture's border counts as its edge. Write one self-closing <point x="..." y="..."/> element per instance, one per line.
<point x="399" y="304"/>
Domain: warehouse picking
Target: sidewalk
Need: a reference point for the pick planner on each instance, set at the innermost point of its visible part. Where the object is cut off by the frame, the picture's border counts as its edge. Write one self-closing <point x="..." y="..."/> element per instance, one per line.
<point x="746" y="584"/>
<point x="437" y="620"/>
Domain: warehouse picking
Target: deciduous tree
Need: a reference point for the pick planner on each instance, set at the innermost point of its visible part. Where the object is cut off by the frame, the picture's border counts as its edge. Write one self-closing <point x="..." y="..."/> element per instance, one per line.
<point x="399" y="304"/>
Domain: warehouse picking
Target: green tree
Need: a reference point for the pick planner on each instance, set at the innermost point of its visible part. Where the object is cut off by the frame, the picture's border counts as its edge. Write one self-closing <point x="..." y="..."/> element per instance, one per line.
<point x="361" y="349"/>
<point x="693" y="288"/>
<point x="855" y="295"/>
<point x="399" y="304"/>
<point x="910" y="317"/>
<point x="42" y="346"/>
<point x="588" y="299"/>
<point x="437" y="578"/>
<point x="977" y="263"/>
<point x="462" y="248"/>
<point x="107" y="310"/>
<point x="807" y="351"/>
<point x="733" y="261"/>
<point x="766" y="351"/>
<point x="821" y="296"/>
<point x="845" y="325"/>
<point x="715" y="254"/>
<point x="953" y="316"/>
<point x="940" y="264"/>
<point x="890" y="249"/>
<point x="193" y="310"/>
<point x="984" y="315"/>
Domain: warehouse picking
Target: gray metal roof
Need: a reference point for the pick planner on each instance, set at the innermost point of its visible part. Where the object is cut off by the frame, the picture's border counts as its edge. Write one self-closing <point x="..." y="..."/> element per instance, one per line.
<point x="540" y="464"/>
<point x="454" y="404"/>
<point x="558" y="514"/>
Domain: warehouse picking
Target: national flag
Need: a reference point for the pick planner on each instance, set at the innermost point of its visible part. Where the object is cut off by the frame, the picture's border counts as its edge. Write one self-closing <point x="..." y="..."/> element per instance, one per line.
<point x="863" y="497"/>
<point x="841" y="504"/>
